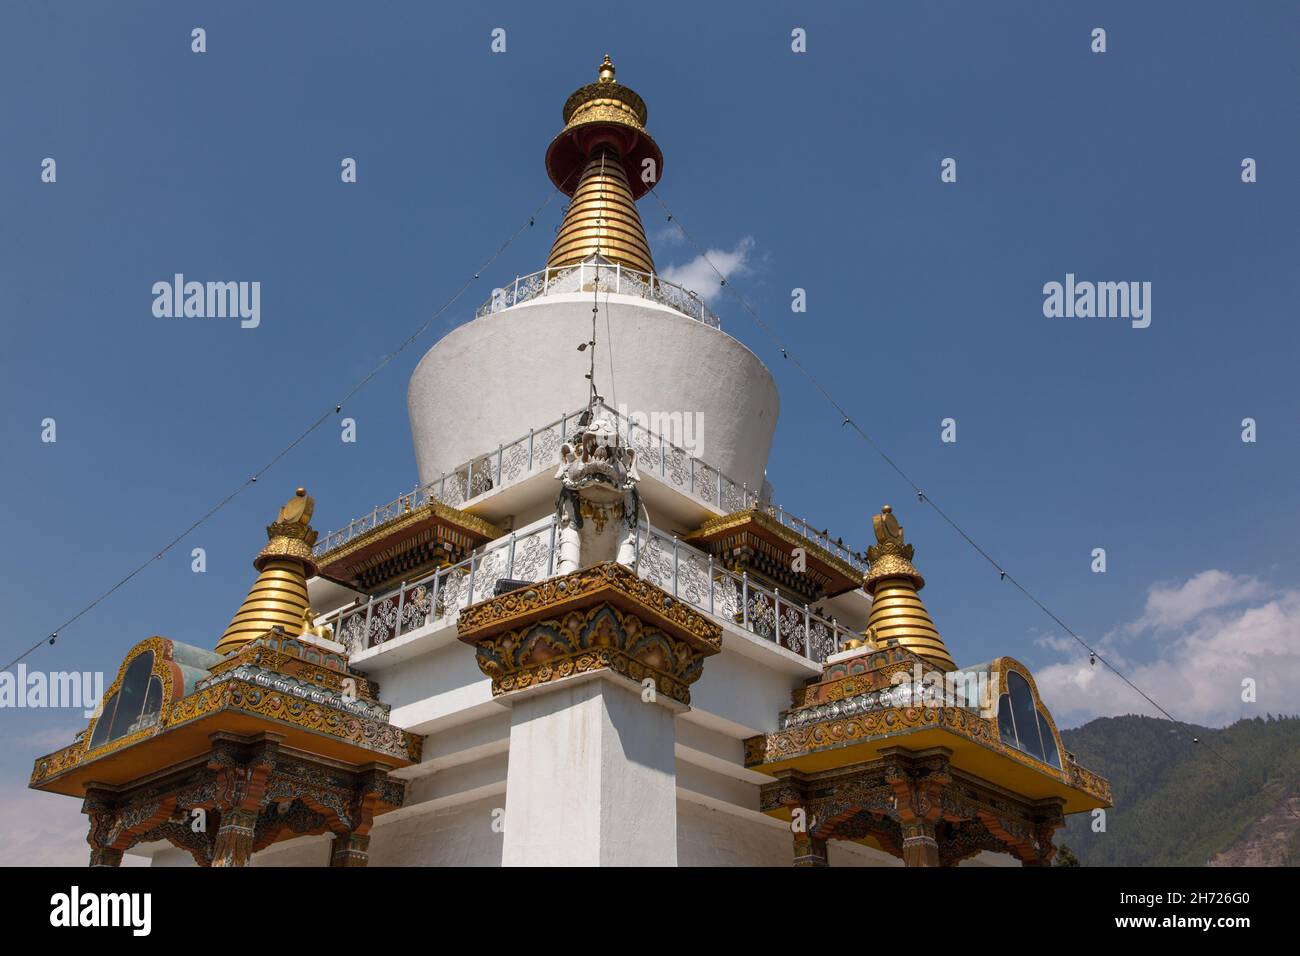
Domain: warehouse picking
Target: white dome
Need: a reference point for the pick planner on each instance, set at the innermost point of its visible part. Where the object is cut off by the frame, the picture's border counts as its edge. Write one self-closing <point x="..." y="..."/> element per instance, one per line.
<point x="491" y="380"/>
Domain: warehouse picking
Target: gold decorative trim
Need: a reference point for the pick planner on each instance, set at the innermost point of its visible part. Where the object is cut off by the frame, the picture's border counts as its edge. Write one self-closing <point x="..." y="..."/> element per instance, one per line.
<point x="164" y="668"/>
<point x="759" y="516"/>
<point x="872" y="673"/>
<point x="813" y="738"/>
<point x="51" y="765"/>
<point x="462" y="520"/>
<point x="1000" y="666"/>
<point x="377" y="736"/>
<point x="609" y="581"/>
<point x="322" y="674"/>
<point x="250" y="698"/>
<point x="74" y="754"/>
<point x="597" y="638"/>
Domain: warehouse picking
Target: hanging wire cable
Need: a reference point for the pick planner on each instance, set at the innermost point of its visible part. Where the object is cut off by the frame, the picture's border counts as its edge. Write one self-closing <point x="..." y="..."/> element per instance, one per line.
<point x="338" y="407"/>
<point x="847" y="420"/>
<point x="609" y="351"/>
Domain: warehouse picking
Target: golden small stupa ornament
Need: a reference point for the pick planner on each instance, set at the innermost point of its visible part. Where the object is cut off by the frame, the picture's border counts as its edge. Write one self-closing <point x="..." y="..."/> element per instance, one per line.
<point x="278" y="598"/>
<point x="897" y="612"/>
<point x="605" y="160"/>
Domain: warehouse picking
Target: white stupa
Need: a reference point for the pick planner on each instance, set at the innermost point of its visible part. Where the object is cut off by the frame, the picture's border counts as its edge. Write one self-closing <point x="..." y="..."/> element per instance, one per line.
<point x="589" y="605"/>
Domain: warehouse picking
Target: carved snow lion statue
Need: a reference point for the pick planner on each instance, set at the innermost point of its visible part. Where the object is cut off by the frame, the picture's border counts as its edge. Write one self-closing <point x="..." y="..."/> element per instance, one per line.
<point x="597" y="506"/>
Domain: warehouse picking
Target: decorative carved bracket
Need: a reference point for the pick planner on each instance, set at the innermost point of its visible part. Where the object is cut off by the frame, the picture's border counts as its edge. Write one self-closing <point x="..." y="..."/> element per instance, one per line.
<point x="913" y="805"/>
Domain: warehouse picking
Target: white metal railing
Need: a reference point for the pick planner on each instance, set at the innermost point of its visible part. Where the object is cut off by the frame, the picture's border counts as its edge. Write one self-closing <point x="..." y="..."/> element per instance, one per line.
<point x="591" y="276"/>
<point x="530" y="554"/>
<point x="540" y="448"/>
<point x="510" y="462"/>
<point x="692" y="576"/>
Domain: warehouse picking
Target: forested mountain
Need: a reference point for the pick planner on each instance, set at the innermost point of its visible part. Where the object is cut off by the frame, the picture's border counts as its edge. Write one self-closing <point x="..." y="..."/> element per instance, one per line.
<point x="1178" y="803"/>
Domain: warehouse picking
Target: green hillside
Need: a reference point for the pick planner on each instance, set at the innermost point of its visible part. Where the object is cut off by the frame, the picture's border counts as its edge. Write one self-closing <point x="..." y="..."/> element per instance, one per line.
<point x="1177" y="804"/>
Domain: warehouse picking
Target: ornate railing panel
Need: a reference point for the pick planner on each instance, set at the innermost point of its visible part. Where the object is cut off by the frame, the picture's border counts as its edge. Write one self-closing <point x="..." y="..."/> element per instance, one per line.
<point x="540" y="448"/>
<point x="529" y="555"/>
<point x="589" y="277"/>
<point x="692" y="576"/>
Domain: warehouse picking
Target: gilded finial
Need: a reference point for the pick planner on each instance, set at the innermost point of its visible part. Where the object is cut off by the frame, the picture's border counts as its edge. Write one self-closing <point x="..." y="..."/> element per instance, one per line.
<point x="297" y="510"/>
<point x="891" y="556"/>
<point x="887" y="528"/>
<point x="605" y="160"/>
<point x="898" y="615"/>
<point x="278" y="598"/>
<point x="291" y="534"/>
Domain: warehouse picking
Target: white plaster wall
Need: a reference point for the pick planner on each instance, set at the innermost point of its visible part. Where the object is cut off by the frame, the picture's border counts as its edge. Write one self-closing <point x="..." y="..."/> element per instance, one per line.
<point x="708" y="837"/>
<point x="854" y="854"/>
<point x="443" y="670"/>
<point x="709" y="785"/>
<point x="591" y="779"/>
<point x="743" y="691"/>
<point x="491" y="380"/>
<point x="475" y="780"/>
<point x="989" y="858"/>
<point x="453" y="836"/>
<point x="711" y="837"/>
<point x="170" y="856"/>
<point x="303" y="851"/>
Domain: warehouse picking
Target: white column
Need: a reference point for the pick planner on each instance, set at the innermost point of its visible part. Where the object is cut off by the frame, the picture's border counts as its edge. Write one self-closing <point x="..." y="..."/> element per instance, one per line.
<point x="592" y="777"/>
<point x="569" y="549"/>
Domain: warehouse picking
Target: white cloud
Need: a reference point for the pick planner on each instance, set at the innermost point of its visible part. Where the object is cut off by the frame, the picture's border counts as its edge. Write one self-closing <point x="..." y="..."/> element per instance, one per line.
<point x="41" y="829"/>
<point x="1206" y="637"/>
<point x="699" y="276"/>
<point x="669" y="235"/>
<point x="1062" y="645"/>
<point x="1171" y="607"/>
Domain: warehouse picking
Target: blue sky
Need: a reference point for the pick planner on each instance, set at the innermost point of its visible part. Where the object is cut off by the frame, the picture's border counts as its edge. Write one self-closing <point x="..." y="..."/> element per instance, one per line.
<point x="817" y="170"/>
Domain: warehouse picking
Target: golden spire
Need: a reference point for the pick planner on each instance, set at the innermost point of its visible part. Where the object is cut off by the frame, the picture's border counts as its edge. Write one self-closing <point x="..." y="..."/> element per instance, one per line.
<point x="606" y="161"/>
<point x="897" y="612"/>
<point x="278" y="598"/>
